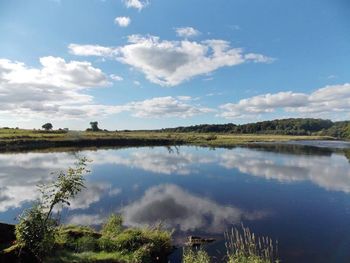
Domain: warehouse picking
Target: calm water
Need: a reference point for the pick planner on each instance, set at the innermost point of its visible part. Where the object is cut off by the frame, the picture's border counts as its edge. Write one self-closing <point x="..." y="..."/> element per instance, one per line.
<point x="297" y="194"/>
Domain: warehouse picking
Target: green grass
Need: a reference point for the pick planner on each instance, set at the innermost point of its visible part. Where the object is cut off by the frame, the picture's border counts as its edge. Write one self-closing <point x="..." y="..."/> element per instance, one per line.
<point x="113" y="244"/>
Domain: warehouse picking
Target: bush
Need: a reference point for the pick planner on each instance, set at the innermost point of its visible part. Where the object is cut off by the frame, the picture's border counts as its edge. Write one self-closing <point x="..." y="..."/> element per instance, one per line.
<point x="35" y="233"/>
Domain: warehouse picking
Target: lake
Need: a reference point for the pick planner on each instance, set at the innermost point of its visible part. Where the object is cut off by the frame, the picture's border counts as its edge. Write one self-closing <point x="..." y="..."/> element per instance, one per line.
<point x="296" y="194"/>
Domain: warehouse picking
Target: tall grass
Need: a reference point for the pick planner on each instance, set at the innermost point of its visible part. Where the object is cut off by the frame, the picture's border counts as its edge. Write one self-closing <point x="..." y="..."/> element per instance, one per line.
<point x="243" y="246"/>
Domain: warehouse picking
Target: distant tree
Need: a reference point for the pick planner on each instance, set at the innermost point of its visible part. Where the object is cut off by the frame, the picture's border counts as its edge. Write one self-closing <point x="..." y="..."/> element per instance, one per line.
<point x="47" y="126"/>
<point x="94" y="126"/>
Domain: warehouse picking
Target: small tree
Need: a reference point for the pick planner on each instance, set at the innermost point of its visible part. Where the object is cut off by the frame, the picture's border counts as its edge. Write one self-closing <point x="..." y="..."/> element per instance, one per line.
<point x="37" y="226"/>
<point x="94" y="126"/>
<point x="47" y="126"/>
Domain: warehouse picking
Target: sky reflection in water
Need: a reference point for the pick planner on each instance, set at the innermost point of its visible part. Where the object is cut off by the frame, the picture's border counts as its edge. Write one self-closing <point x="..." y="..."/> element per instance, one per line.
<point x="293" y="193"/>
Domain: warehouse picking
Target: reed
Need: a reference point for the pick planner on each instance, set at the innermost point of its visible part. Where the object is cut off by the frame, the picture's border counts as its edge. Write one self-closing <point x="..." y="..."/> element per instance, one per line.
<point x="243" y="246"/>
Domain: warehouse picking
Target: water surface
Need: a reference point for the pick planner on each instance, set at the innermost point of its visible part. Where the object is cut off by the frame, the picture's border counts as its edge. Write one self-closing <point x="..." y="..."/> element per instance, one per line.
<point x="296" y="194"/>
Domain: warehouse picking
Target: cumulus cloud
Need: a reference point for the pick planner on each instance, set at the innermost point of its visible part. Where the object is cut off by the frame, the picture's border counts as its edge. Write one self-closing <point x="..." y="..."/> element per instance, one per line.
<point x="169" y="63"/>
<point x="177" y="208"/>
<point x="138" y="4"/>
<point x="164" y="107"/>
<point x="122" y="21"/>
<point x="324" y="101"/>
<point x="56" y="89"/>
<point x="91" y="50"/>
<point x="187" y="32"/>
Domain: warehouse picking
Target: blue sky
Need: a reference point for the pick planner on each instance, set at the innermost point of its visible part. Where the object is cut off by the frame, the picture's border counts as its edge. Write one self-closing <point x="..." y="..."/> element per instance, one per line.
<point x="135" y="64"/>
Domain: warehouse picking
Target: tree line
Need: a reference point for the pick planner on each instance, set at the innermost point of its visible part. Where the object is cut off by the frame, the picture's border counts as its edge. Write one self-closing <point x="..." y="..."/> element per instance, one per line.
<point x="292" y="126"/>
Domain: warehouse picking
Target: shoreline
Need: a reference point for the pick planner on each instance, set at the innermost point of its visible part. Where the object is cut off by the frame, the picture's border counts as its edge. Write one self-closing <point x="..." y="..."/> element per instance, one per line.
<point x="139" y="139"/>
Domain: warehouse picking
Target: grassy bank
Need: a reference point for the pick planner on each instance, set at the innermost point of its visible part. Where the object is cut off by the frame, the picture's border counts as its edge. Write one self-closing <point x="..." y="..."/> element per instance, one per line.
<point x="84" y="244"/>
<point x="19" y="139"/>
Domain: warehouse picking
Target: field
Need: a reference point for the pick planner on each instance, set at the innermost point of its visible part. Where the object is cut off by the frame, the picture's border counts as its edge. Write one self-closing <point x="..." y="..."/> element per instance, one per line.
<point x="12" y="139"/>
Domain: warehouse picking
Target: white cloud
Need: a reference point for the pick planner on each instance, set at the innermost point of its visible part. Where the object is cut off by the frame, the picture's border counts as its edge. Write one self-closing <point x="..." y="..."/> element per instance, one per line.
<point x="91" y="50"/>
<point x="169" y="63"/>
<point x="322" y="102"/>
<point x="187" y="32"/>
<point x="176" y="208"/>
<point x="263" y="103"/>
<point x="164" y="107"/>
<point x="138" y="4"/>
<point x="116" y="77"/>
<point x="122" y="21"/>
<point x="56" y="89"/>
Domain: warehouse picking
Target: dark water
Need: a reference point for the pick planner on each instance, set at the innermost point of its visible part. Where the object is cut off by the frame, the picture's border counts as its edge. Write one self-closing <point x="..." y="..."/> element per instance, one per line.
<point x="297" y="194"/>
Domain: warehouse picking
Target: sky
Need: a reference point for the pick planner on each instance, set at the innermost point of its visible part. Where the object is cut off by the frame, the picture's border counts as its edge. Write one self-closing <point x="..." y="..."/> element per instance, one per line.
<point x="147" y="64"/>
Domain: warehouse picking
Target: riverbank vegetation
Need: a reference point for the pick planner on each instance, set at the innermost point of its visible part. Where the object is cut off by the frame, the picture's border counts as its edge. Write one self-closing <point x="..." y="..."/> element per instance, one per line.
<point x="19" y="139"/>
<point x="242" y="246"/>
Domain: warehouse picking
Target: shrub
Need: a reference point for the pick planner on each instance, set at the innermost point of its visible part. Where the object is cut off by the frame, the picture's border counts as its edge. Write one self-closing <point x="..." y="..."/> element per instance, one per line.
<point x="36" y="229"/>
<point x="35" y="233"/>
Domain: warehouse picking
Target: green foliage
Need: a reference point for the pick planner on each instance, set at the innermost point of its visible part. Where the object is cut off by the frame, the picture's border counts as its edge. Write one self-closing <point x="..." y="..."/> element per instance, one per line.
<point x="298" y="126"/>
<point x="47" y="126"/>
<point x="113" y="226"/>
<point x="36" y="229"/>
<point x="94" y="126"/>
<point x="35" y="233"/>
<point x="340" y="129"/>
<point x="66" y="186"/>
<point x="195" y="256"/>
